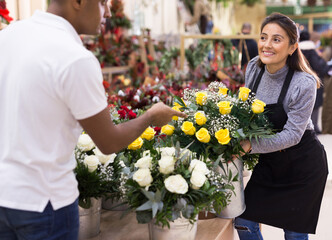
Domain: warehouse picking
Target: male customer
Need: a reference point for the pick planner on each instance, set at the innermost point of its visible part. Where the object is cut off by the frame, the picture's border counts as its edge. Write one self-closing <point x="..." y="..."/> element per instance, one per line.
<point x="50" y="88"/>
<point x="318" y="64"/>
<point x="249" y="49"/>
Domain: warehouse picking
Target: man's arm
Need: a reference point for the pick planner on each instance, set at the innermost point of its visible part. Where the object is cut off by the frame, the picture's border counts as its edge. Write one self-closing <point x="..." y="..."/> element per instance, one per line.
<point x="111" y="138"/>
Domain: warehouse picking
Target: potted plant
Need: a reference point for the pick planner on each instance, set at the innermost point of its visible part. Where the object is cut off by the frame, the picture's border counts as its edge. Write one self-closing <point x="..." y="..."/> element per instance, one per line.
<point x="97" y="175"/>
<point x="169" y="186"/>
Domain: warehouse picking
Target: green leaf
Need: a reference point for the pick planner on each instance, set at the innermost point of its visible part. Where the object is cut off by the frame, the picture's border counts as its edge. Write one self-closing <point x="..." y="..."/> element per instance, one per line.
<point x="179" y="101"/>
<point x="145" y="206"/>
<point x="149" y="195"/>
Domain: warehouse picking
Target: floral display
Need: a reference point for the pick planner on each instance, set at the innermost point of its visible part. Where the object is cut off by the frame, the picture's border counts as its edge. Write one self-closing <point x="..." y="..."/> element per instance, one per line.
<point x="146" y="95"/>
<point x="4" y="13"/>
<point x="217" y="121"/>
<point x="97" y="174"/>
<point x="118" y="19"/>
<point x="169" y="182"/>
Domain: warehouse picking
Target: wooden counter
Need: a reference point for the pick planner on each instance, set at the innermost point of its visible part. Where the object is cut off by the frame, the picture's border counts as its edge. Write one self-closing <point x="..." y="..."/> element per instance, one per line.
<point x="113" y="227"/>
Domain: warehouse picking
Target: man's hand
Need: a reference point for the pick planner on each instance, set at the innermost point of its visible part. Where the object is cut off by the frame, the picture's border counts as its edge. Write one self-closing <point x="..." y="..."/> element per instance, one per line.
<point x="160" y="114"/>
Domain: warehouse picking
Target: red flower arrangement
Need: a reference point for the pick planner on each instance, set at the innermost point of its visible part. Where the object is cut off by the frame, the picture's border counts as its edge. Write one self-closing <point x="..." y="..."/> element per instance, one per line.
<point x="4" y="13"/>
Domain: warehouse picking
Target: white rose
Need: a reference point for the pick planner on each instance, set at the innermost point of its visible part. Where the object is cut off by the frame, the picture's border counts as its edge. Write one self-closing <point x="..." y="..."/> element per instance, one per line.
<point x="91" y="162"/>
<point x="167" y="151"/>
<point x="85" y="143"/>
<point x="176" y="184"/>
<point x="197" y="179"/>
<point x="104" y="158"/>
<point x="198" y="166"/>
<point x="144" y="162"/>
<point x="166" y="164"/>
<point x="143" y="177"/>
<point x="136" y="98"/>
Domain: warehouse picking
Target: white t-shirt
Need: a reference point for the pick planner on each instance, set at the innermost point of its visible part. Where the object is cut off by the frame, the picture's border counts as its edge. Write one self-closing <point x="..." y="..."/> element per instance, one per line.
<point x="48" y="81"/>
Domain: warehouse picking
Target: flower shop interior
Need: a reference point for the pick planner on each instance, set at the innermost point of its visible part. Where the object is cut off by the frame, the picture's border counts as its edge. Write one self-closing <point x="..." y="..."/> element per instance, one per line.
<point x="151" y="51"/>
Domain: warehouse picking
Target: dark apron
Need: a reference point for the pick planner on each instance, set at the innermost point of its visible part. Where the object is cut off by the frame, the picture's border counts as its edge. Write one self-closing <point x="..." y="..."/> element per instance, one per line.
<point x="287" y="186"/>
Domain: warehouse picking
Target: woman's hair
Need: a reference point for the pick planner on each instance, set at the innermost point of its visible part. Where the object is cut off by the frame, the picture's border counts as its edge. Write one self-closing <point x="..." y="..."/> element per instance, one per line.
<point x="296" y="61"/>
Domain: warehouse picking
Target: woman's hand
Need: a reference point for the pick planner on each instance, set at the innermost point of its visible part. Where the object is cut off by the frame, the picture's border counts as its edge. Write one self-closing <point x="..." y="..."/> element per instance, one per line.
<point x="246" y="146"/>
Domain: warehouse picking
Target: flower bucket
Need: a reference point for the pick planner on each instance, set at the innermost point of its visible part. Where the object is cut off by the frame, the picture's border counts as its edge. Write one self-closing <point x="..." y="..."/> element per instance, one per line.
<point x="113" y="204"/>
<point x="237" y="205"/>
<point x="90" y="220"/>
<point x="180" y="229"/>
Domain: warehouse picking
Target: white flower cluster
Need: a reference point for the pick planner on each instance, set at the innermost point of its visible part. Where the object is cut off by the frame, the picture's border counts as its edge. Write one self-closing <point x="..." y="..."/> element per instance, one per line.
<point x="175" y="183"/>
<point x="216" y="179"/>
<point x="198" y="171"/>
<point x="224" y="121"/>
<point x="214" y="86"/>
<point x="87" y="152"/>
<point x="122" y="188"/>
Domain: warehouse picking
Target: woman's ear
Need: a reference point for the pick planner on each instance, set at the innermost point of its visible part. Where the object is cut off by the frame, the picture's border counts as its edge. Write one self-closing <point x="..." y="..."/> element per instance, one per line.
<point x="293" y="48"/>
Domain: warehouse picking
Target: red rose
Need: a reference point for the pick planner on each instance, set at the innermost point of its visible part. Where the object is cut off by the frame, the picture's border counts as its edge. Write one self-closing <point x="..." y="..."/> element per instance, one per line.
<point x="157" y="129"/>
<point x="124" y="108"/>
<point x="131" y="115"/>
<point x="122" y="114"/>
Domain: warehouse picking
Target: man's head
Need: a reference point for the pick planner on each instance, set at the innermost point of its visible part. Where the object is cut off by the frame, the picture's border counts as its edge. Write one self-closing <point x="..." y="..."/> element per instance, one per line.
<point x="86" y="16"/>
<point x="304" y="36"/>
<point x="246" y="28"/>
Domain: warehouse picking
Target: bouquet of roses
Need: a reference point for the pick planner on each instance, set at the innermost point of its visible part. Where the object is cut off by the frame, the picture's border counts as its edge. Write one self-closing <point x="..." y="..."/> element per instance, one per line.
<point x="97" y="174"/>
<point x="169" y="182"/>
<point x="217" y="121"/>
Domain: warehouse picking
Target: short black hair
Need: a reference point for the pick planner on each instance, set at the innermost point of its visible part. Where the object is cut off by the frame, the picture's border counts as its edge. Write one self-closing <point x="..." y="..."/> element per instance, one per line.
<point x="304" y="36"/>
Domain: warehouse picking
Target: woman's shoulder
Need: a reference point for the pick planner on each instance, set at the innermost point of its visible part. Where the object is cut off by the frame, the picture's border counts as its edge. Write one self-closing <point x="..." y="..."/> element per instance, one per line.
<point x="253" y="63"/>
<point x="251" y="70"/>
<point x="252" y="66"/>
<point x="303" y="85"/>
<point x="304" y="79"/>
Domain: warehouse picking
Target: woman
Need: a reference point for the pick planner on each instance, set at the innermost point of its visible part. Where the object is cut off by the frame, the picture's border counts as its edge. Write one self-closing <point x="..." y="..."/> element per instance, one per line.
<point x="287" y="184"/>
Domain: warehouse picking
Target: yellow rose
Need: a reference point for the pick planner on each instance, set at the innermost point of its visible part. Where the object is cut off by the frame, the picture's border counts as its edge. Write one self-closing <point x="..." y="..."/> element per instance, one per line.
<point x="176" y="108"/>
<point x="244" y="93"/>
<point x="201" y="98"/>
<point x="137" y="144"/>
<point x="188" y="128"/>
<point x="223" y="91"/>
<point x="148" y="134"/>
<point x="167" y="129"/>
<point x="258" y="106"/>
<point x="203" y="135"/>
<point x="200" y="118"/>
<point x="224" y="107"/>
<point x="223" y="136"/>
